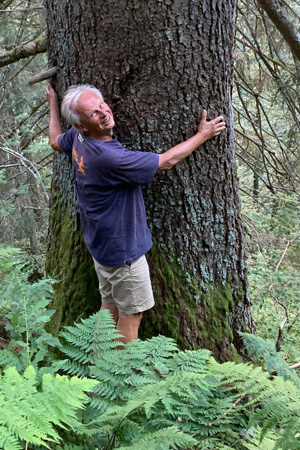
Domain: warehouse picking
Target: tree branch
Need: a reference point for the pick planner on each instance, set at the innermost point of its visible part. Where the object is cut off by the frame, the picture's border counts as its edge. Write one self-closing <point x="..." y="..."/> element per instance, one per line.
<point x="30" y="166"/>
<point x="39" y="45"/>
<point x="295" y="366"/>
<point x="283" y="24"/>
<point x="35" y="8"/>
<point x="43" y="75"/>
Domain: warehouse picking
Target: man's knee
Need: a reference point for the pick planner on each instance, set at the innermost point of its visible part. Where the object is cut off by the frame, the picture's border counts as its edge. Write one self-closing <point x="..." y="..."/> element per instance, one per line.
<point x="131" y="319"/>
<point x="128" y="326"/>
<point x="112" y="309"/>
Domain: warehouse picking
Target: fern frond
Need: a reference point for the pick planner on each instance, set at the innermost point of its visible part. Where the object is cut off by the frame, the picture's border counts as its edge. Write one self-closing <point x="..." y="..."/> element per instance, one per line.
<point x="10" y="359"/>
<point x="73" y="368"/>
<point x="180" y="386"/>
<point x="163" y="440"/>
<point x="264" y="350"/>
<point x="190" y="361"/>
<point x="87" y="341"/>
<point x="254" y="442"/>
<point x="7" y="441"/>
<point x="158" y="347"/>
<point x="55" y="403"/>
<point x="276" y="402"/>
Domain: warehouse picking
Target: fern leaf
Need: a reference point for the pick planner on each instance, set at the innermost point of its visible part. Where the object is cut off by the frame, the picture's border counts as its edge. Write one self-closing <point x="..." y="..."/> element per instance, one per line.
<point x="88" y="341"/>
<point x="264" y="349"/>
<point x="72" y="368"/>
<point x="190" y="361"/>
<point x="9" y="359"/>
<point x="163" y="440"/>
<point x="7" y="441"/>
<point x="55" y="403"/>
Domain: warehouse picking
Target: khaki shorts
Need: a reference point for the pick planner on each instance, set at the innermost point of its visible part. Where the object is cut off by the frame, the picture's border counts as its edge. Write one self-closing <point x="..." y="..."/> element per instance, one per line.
<point x="129" y="287"/>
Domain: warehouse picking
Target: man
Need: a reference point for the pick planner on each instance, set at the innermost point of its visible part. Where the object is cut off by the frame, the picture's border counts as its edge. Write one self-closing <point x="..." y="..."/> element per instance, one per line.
<point x="108" y="180"/>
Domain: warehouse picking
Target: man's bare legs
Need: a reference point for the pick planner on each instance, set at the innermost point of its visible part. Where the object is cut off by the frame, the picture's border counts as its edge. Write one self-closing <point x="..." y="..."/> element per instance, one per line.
<point x="128" y="326"/>
<point x="112" y="309"/>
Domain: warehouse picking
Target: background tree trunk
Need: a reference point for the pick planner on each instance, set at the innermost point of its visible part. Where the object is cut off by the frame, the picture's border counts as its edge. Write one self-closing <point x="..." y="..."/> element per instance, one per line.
<point x="158" y="64"/>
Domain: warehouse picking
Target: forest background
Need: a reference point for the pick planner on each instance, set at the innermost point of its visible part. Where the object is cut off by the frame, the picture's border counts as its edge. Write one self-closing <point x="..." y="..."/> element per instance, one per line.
<point x="266" y="106"/>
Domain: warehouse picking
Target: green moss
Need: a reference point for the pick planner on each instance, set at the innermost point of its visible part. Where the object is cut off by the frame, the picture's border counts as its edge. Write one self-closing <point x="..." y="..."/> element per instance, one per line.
<point x="193" y="315"/>
<point x="68" y="261"/>
<point x="196" y="316"/>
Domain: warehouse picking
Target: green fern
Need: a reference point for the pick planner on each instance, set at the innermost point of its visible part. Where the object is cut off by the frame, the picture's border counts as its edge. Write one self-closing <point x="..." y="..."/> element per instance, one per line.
<point x="163" y="439"/>
<point x="29" y="414"/>
<point x="9" y="359"/>
<point x="254" y="442"/>
<point x="151" y="386"/>
<point x="184" y="400"/>
<point x="25" y="308"/>
<point x="149" y="395"/>
<point x="87" y="341"/>
<point x="275" y="403"/>
<point x="263" y="350"/>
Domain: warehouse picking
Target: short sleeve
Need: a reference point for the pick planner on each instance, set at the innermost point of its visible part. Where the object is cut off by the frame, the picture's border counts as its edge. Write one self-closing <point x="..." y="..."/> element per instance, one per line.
<point x="137" y="167"/>
<point x="65" y="141"/>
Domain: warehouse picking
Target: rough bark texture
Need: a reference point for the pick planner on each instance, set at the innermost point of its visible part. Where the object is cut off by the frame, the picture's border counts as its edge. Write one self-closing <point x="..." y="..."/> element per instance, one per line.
<point x="158" y="63"/>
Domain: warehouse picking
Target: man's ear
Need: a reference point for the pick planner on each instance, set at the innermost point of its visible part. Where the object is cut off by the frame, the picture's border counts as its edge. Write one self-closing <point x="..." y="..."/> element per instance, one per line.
<point x="80" y="127"/>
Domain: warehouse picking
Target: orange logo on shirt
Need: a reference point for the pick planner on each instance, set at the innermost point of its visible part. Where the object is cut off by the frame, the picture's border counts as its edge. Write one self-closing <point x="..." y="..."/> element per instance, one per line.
<point x="79" y="163"/>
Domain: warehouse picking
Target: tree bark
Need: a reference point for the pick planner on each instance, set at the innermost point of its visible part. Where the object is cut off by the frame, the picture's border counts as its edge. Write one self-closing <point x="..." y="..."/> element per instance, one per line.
<point x="159" y="64"/>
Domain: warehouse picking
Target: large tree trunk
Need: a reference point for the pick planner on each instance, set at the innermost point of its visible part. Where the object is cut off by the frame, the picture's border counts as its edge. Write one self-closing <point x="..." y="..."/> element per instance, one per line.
<point x="158" y="63"/>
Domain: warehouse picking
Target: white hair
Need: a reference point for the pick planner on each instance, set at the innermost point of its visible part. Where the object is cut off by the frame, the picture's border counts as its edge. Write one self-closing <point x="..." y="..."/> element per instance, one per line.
<point x="69" y="103"/>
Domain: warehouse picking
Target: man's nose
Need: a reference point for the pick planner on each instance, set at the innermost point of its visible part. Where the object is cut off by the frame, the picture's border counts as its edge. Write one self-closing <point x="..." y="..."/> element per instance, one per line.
<point x="103" y="112"/>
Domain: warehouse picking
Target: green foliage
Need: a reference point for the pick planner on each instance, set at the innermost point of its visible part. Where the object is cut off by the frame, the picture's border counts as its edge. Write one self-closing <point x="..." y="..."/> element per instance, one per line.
<point x="85" y="340"/>
<point x="150" y="389"/>
<point x="24" y="305"/>
<point x="272" y="232"/>
<point x="262" y="351"/>
<point x="147" y="395"/>
<point x="31" y="412"/>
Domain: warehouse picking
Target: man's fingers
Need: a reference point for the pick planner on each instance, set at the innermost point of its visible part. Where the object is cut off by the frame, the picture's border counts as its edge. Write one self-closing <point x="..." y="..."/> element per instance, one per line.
<point x="49" y="87"/>
<point x="218" y="119"/>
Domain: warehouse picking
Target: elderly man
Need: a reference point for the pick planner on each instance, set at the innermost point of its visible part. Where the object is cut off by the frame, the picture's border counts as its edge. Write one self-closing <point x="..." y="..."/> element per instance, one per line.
<point x="108" y="180"/>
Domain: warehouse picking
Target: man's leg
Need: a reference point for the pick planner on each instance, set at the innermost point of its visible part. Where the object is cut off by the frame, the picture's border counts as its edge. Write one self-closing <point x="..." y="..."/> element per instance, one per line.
<point x="128" y="326"/>
<point x="105" y="291"/>
<point x="126" y="292"/>
<point x="113" y="310"/>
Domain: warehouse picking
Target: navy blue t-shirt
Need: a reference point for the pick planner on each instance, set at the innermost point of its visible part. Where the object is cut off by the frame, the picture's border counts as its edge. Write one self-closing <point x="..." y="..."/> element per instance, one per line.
<point x="108" y="181"/>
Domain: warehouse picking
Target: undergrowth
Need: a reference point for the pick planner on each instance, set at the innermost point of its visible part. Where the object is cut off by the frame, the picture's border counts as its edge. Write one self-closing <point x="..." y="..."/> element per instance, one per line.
<point x="149" y="395"/>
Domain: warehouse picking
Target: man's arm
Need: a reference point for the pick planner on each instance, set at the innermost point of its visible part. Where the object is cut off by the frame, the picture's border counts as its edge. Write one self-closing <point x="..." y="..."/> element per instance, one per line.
<point x="206" y="130"/>
<point x="54" y="122"/>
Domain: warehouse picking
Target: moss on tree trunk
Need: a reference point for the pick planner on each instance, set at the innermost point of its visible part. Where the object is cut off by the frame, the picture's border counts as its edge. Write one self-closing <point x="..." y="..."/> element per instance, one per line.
<point x="68" y="261"/>
<point x="159" y="64"/>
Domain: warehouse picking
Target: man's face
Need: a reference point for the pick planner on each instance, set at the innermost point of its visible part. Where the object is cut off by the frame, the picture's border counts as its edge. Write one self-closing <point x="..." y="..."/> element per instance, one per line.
<point x="95" y="115"/>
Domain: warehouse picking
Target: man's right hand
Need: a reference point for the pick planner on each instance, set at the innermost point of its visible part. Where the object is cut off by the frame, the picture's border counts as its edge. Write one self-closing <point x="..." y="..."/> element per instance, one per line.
<point x="54" y="123"/>
<point x="50" y="93"/>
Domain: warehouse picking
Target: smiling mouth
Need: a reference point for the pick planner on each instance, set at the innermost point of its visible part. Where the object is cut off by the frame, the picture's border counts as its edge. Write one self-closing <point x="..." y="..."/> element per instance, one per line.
<point x="107" y="119"/>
